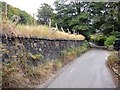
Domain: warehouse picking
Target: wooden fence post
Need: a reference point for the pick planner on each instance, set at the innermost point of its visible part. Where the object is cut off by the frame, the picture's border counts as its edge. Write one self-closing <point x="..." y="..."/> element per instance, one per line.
<point x="62" y="29"/>
<point x="33" y="19"/>
<point x="50" y="22"/>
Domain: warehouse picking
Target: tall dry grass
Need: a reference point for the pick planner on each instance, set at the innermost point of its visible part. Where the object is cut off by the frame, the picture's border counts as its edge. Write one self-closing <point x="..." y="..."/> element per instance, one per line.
<point x="38" y="32"/>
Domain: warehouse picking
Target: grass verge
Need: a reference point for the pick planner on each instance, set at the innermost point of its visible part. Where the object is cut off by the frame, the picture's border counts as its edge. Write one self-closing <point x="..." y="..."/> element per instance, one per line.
<point x="113" y="63"/>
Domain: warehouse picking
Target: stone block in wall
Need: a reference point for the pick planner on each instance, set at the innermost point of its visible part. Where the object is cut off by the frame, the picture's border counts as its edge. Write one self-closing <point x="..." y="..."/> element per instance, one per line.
<point x="50" y="49"/>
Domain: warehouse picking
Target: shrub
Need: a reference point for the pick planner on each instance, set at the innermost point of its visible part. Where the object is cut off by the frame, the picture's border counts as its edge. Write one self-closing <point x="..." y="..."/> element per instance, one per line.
<point x="101" y="40"/>
<point x="114" y="63"/>
<point x="12" y="76"/>
<point x="98" y="39"/>
<point x="43" y="71"/>
<point x="8" y="70"/>
<point x="72" y="53"/>
<point x="92" y="38"/>
<point x="113" y="58"/>
<point x="110" y="40"/>
<point x="57" y="64"/>
<point x="37" y="56"/>
<point x="116" y="33"/>
<point x="68" y="55"/>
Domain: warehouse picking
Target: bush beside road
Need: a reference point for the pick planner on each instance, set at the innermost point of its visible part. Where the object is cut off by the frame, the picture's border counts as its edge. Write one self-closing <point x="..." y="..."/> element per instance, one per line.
<point x="113" y="63"/>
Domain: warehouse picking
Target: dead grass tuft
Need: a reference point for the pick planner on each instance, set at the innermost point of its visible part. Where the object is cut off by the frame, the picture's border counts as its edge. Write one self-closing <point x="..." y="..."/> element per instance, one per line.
<point x="37" y="31"/>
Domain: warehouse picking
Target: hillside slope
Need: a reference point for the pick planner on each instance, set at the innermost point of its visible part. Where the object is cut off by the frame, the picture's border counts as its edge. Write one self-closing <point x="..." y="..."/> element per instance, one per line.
<point x="25" y="17"/>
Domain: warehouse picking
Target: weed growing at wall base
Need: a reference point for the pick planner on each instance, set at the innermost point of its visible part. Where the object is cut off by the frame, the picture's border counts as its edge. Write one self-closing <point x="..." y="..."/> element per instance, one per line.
<point x="23" y="69"/>
<point x="72" y="53"/>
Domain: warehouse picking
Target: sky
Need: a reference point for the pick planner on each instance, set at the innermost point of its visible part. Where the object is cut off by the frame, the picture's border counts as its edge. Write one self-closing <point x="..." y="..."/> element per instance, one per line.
<point x="30" y="6"/>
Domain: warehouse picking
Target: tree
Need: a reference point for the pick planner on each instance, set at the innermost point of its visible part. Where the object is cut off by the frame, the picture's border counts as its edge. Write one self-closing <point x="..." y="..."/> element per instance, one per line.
<point x="44" y="13"/>
<point x="105" y="17"/>
<point x="72" y="15"/>
<point x="88" y="17"/>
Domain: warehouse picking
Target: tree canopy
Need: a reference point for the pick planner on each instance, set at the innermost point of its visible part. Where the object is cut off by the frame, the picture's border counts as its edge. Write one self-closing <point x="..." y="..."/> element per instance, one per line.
<point x="44" y="13"/>
<point x="87" y="17"/>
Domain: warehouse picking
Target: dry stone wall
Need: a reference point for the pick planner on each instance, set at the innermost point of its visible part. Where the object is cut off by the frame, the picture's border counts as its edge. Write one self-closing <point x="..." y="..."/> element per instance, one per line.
<point x="50" y="49"/>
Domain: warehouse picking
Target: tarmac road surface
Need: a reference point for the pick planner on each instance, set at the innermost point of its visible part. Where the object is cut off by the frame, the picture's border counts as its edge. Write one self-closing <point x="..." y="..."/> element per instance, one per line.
<point x="87" y="71"/>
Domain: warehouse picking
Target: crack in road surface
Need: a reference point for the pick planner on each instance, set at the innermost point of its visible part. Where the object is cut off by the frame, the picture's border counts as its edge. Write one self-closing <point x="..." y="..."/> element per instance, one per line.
<point x="87" y="71"/>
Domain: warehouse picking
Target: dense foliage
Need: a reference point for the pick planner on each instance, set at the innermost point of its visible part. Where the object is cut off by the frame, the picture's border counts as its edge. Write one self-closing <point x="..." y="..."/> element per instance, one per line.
<point x="98" y="39"/>
<point x="44" y="13"/>
<point x="110" y="40"/>
<point x="87" y="17"/>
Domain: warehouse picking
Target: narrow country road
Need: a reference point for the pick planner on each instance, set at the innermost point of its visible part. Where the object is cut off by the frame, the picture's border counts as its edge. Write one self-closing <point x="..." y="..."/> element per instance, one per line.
<point x="88" y="71"/>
